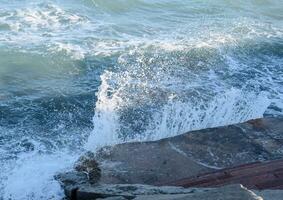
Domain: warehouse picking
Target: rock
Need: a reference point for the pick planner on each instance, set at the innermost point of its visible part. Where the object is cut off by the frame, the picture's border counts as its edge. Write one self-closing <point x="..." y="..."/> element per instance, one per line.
<point x="192" y="153"/>
<point x="171" y="159"/>
<point x="70" y="181"/>
<point x="147" y="192"/>
<point x="113" y="198"/>
<point x="232" y="192"/>
<point x="88" y="165"/>
<point x="257" y="175"/>
<point x="269" y="194"/>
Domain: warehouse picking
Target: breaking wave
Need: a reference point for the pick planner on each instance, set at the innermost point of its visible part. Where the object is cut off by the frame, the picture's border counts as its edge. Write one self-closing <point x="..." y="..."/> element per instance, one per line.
<point x="156" y="93"/>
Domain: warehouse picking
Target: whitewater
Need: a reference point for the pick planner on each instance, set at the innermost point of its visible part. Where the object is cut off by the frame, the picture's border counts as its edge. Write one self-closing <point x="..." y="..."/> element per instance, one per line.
<point x="76" y="75"/>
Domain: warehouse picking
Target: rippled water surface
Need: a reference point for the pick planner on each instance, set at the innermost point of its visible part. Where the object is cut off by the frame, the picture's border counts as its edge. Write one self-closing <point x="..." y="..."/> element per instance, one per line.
<point x="79" y="74"/>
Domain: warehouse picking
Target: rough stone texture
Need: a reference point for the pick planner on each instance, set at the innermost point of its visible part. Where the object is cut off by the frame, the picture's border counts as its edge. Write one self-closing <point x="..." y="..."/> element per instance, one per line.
<point x="146" y="192"/>
<point x="113" y="198"/>
<point x="183" y="156"/>
<point x="258" y="175"/>
<point x="88" y="165"/>
<point x="192" y="153"/>
<point x="270" y="194"/>
<point x="233" y="192"/>
<point x="70" y="181"/>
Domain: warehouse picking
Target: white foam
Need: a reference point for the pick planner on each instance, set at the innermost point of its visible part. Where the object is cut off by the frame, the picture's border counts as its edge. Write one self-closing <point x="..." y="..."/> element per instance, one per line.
<point x="75" y="52"/>
<point x="106" y="117"/>
<point x="42" y="16"/>
<point x="32" y="176"/>
<point x="232" y="107"/>
<point x="34" y="25"/>
<point x="175" y="117"/>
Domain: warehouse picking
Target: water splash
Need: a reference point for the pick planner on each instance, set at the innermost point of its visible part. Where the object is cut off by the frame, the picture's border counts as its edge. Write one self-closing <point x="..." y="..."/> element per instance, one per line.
<point x="148" y="99"/>
<point x="173" y="118"/>
<point x="32" y="176"/>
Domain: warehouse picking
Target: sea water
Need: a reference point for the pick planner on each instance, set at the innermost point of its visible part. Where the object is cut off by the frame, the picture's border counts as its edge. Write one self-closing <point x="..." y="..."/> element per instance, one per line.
<point x="80" y="74"/>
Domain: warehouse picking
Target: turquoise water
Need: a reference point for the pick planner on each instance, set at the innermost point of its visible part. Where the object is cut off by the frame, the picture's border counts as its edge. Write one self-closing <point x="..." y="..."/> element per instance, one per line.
<point x="79" y="74"/>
